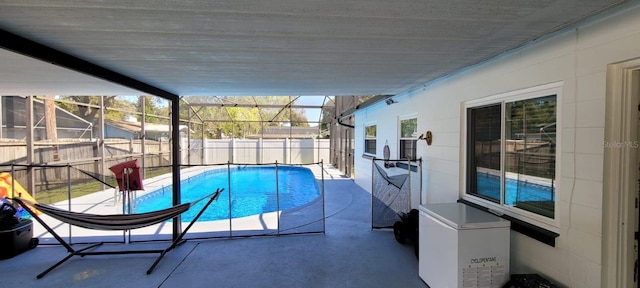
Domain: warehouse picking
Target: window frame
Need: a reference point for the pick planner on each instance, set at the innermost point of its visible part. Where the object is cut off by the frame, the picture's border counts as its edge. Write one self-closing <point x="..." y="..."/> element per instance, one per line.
<point x="368" y="139"/>
<point x="400" y="138"/>
<point x="552" y="224"/>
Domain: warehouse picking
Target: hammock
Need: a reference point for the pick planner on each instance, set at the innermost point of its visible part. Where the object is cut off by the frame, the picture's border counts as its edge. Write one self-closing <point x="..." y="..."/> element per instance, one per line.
<point x="113" y="222"/>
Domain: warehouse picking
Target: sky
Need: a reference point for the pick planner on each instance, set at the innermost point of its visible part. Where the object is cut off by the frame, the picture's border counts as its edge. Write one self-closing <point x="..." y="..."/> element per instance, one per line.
<point x="312" y="114"/>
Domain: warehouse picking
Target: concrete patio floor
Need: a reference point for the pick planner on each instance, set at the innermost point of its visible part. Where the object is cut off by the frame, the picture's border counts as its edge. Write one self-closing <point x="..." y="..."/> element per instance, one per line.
<point x="349" y="254"/>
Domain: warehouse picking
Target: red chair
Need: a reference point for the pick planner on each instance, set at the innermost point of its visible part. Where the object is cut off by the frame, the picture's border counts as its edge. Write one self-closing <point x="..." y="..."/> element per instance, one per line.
<point x="128" y="173"/>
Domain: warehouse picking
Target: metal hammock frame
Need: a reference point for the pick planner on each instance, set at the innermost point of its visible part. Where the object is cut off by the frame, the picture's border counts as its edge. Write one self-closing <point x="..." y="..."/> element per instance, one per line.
<point x="112" y="222"/>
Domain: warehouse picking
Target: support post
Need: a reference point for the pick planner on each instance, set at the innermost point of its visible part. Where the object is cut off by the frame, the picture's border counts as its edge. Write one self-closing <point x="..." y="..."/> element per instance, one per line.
<point x="100" y="143"/>
<point x="143" y="136"/>
<point x="175" y="167"/>
<point x="31" y="176"/>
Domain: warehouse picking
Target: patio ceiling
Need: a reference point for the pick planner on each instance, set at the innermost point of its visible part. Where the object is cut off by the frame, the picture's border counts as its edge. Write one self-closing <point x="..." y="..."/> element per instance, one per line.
<point x="275" y="47"/>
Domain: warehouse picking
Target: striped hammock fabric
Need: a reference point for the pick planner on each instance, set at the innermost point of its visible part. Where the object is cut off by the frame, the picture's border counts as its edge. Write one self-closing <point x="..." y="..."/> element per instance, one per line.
<point x="112" y="221"/>
<point x="115" y="221"/>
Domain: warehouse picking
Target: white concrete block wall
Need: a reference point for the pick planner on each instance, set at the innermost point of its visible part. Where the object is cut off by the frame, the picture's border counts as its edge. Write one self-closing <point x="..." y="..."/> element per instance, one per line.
<point x="576" y="58"/>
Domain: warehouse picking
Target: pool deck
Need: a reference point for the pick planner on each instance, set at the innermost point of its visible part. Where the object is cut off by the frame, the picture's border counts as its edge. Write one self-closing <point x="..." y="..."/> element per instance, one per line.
<point x="348" y="254"/>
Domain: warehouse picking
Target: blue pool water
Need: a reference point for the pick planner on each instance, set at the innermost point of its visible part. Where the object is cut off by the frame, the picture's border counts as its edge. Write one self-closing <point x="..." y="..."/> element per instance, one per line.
<point x="252" y="191"/>
<point x="516" y="190"/>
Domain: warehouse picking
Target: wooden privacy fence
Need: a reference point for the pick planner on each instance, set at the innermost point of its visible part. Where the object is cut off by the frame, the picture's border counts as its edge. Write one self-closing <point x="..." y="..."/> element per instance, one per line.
<point x="81" y="155"/>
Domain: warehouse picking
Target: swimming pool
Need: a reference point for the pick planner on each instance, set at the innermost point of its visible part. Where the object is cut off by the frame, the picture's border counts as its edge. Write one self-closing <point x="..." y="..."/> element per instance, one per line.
<point x="252" y="192"/>
<point x="517" y="190"/>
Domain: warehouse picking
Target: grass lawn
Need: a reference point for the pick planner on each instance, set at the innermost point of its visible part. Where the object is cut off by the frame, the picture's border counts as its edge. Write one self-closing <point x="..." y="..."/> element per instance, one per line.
<point x="80" y="189"/>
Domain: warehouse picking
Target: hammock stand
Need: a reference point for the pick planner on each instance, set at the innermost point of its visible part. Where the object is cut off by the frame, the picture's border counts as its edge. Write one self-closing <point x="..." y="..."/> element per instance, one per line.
<point x="113" y="222"/>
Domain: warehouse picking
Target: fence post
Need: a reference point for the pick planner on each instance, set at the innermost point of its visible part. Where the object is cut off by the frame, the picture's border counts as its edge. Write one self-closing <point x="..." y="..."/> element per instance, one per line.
<point x="69" y="196"/>
<point x="160" y="151"/>
<point x="202" y="144"/>
<point x="324" y="219"/>
<point x="409" y="179"/>
<point x="260" y="151"/>
<point x="229" y="191"/>
<point x="277" y="200"/>
<point x="188" y="137"/>
<point x="233" y="149"/>
<point x="287" y="147"/>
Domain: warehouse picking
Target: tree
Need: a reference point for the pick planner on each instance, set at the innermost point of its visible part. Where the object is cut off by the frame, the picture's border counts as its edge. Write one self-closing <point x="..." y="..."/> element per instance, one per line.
<point x="242" y="121"/>
<point x="83" y="109"/>
<point x="298" y="118"/>
<point x="217" y="120"/>
<point x="152" y="108"/>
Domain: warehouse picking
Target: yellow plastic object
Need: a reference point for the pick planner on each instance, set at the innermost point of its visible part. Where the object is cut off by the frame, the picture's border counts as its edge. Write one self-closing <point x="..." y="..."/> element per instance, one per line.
<point x="6" y="190"/>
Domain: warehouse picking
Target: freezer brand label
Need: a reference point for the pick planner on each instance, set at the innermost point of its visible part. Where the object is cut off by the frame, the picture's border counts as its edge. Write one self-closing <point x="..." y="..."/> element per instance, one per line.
<point x="483" y="260"/>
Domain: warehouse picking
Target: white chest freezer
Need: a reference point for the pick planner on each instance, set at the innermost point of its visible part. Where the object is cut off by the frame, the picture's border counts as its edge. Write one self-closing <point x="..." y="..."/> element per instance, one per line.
<point x="461" y="246"/>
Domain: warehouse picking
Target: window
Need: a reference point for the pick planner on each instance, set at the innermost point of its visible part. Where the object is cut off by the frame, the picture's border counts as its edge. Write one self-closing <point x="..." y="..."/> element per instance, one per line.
<point x="370" y="139"/>
<point x="511" y="154"/>
<point x="408" y="138"/>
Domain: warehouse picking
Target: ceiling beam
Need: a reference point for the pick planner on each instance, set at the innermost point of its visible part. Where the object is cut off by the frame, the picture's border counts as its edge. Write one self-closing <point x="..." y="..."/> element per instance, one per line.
<point x="30" y="48"/>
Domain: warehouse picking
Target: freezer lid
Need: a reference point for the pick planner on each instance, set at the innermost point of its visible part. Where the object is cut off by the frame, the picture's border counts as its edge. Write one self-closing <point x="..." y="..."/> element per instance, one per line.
<point x="461" y="216"/>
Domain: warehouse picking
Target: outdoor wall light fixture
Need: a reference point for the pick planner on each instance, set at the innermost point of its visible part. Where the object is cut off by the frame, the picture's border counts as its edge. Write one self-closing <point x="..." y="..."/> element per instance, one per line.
<point x="428" y="137"/>
<point x="390" y="101"/>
